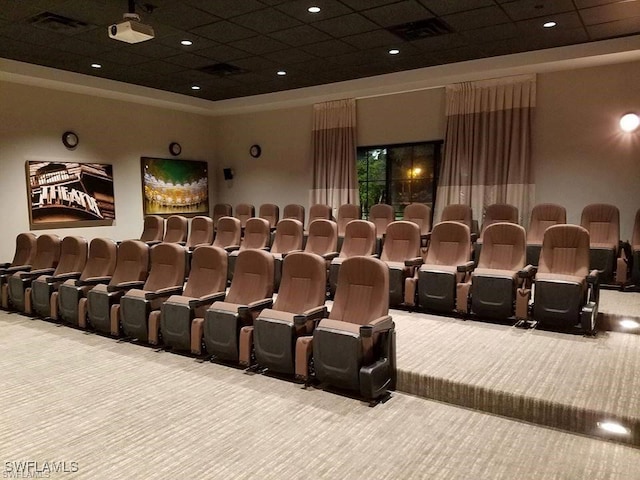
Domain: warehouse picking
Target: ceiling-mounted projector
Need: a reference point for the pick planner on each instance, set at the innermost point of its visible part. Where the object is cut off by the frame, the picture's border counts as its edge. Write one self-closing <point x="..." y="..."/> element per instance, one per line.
<point x="131" y="30"/>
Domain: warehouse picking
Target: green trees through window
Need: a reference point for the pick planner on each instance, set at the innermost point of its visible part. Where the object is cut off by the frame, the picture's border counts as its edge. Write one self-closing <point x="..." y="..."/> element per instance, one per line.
<point x="398" y="175"/>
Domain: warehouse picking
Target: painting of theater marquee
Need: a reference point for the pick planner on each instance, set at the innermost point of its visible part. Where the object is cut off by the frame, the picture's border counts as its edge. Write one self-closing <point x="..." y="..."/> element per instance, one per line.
<point x="64" y="194"/>
<point x="174" y="187"/>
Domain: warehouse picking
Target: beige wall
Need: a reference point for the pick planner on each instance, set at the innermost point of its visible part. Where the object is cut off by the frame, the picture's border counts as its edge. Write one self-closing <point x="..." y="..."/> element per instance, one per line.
<point x="580" y="154"/>
<point x="110" y="131"/>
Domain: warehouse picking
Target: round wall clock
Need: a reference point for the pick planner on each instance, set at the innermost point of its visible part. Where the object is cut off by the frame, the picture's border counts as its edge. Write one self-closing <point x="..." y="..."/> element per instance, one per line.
<point x="70" y="140"/>
<point x="255" y="151"/>
<point x="175" y="149"/>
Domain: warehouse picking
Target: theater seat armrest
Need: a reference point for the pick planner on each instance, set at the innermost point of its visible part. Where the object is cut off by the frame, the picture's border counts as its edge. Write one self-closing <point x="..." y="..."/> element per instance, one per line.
<point x="266" y="249"/>
<point x="151" y="243"/>
<point x="316" y="313"/>
<point x="92" y="281"/>
<point x="5" y="265"/>
<point x="413" y="262"/>
<point x="527" y="272"/>
<point x="374" y="255"/>
<point x="64" y="276"/>
<point x="182" y="243"/>
<point x="125" y="286"/>
<point x="330" y="256"/>
<point x="474" y="237"/>
<point x="17" y="268"/>
<point x="593" y="276"/>
<point x="465" y="267"/>
<point x="207" y="300"/>
<point x="291" y="251"/>
<point x="164" y="292"/>
<point x="36" y="273"/>
<point x="257" y="305"/>
<point x="232" y="248"/>
<point x="380" y="324"/>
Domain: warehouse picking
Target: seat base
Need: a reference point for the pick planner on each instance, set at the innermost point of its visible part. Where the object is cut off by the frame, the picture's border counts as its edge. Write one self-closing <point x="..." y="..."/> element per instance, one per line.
<point x="437" y="291"/>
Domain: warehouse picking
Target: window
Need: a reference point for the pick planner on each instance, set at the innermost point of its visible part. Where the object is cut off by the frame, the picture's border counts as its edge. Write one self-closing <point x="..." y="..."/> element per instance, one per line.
<point x="398" y="175"/>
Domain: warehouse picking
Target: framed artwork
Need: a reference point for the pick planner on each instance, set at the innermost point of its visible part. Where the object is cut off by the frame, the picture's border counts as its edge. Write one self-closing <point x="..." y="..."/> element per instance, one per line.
<point x="171" y="187"/>
<point x="65" y="194"/>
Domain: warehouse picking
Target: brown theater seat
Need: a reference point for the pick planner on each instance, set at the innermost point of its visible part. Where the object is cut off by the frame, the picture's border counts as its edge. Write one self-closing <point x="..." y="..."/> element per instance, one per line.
<point x="200" y="233"/>
<point x="401" y="254"/>
<point x="448" y="263"/>
<point x="299" y="305"/>
<point x="99" y="268"/>
<point x="346" y="213"/>
<point x="73" y="257"/>
<point x="602" y="221"/>
<point x="245" y="211"/>
<point x="206" y="284"/>
<point x="322" y="239"/>
<point x="494" y="282"/>
<point x="132" y="266"/>
<point x="381" y="215"/>
<point x="319" y="211"/>
<point x="228" y="234"/>
<point x="251" y="291"/>
<point x="23" y="256"/>
<point x="44" y="262"/>
<point x="566" y="293"/>
<point x="166" y="278"/>
<point x="177" y="230"/>
<point x="354" y="347"/>
<point x="458" y="212"/>
<point x="271" y="213"/>
<point x="294" y="211"/>
<point x="153" y="230"/>
<point x="543" y="216"/>
<point x="359" y="239"/>
<point x="221" y="210"/>
<point x="288" y="238"/>
<point x="256" y="237"/>
<point x="495" y="213"/>
<point x="420" y="214"/>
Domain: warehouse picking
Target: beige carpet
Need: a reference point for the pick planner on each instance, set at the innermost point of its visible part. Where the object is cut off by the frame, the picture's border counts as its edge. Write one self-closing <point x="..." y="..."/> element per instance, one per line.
<point x="567" y="381"/>
<point x="123" y="411"/>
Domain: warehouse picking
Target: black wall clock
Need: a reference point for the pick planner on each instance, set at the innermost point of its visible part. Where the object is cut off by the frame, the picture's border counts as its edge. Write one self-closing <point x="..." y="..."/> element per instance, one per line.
<point x="175" y="149"/>
<point x="70" y="140"/>
<point x="255" y="151"/>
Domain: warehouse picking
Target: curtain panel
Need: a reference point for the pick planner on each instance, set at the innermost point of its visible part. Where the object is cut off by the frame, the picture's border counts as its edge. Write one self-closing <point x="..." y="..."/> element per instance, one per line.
<point x="487" y="147"/>
<point x="335" y="180"/>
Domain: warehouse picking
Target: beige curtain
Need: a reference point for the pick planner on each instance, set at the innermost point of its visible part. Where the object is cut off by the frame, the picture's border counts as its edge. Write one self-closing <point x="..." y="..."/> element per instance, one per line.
<point x="335" y="180"/>
<point x="487" y="147"/>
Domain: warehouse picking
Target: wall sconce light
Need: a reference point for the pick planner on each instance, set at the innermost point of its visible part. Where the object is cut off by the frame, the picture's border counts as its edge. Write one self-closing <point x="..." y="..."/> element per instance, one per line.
<point x="629" y="122"/>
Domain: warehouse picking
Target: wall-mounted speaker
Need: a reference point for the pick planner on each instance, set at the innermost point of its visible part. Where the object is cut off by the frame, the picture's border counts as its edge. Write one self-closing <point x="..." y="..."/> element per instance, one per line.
<point x="228" y="173"/>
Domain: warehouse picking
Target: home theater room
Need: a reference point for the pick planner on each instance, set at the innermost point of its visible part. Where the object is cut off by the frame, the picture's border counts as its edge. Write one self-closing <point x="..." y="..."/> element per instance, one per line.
<point x="333" y="239"/>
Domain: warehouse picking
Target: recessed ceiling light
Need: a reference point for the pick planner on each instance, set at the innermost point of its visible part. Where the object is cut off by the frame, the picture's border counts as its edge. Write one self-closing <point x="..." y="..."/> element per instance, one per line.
<point x="195" y="87"/>
<point x="613" y="427"/>
<point x="549" y="24"/>
<point x="96" y="65"/>
<point x="282" y="73"/>
<point x="394" y="51"/>
<point x="313" y="9"/>
<point x="186" y="43"/>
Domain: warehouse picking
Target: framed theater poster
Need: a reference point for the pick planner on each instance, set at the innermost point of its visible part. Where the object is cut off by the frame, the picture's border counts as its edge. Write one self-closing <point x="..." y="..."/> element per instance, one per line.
<point x="64" y="194"/>
<point x="171" y="187"/>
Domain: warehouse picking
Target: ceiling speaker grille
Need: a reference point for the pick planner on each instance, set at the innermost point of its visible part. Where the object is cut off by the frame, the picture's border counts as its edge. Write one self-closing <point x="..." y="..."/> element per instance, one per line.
<point x="431" y="27"/>
<point x="57" y="23"/>
<point x="222" y="69"/>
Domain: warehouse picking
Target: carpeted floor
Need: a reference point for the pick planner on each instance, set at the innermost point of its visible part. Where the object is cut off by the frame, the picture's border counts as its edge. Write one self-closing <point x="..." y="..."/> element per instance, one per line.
<point x="123" y="411"/>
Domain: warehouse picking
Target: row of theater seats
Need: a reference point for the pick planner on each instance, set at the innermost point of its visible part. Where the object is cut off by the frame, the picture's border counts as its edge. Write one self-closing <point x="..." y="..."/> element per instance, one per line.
<point x="138" y="291"/>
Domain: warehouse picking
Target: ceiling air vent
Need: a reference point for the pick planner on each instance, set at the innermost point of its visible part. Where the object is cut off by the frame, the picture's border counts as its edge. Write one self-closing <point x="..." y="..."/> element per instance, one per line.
<point x="58" y="23"/>
<point x="431" y="27"/>
<point x="222" y="69"/>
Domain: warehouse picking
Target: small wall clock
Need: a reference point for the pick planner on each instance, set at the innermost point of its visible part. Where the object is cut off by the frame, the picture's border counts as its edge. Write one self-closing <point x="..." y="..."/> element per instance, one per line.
<point x="70" y="140"/>
<point x="255" y="151"/>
